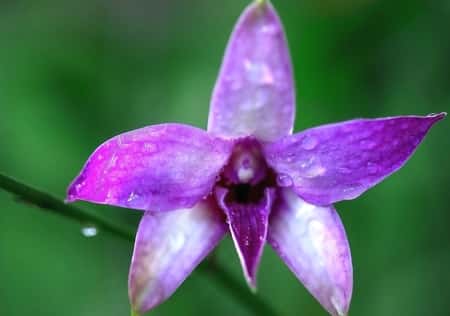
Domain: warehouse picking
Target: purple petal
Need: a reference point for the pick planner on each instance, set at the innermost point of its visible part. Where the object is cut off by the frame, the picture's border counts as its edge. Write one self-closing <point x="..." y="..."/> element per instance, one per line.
<point x="338" y="162"/>
<point x="168" y="247"/>
<point x="158" y="168"/>
<point x="248" y="224"/>
<point x="312" y="242"/>
<point x="254" y="93"/>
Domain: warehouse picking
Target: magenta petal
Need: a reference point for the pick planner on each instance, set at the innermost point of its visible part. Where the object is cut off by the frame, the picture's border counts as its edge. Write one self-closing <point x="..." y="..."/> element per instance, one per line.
<point x="158" y="168"/>
<point x="168" y="247"/>
<point x="312" y="242"/>
<point x="254" y="93"/>
<point x="340" y="161"/>
<point x="248" y="225"/>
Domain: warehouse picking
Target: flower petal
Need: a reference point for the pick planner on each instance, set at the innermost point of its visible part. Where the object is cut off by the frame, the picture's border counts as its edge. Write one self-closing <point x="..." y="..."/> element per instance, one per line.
<point x="340" y="161"/>
<point x="248" y="224"/>
<point x="254" y="93"/>
<point x="312" y="242"/>
<point x="168" y="247"/>
<point x="160" y="167"/>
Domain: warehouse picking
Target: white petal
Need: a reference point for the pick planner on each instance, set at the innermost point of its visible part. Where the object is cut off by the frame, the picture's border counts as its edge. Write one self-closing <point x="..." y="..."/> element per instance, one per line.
<point x="312" y="242"/>
<point x="168" y="247"/>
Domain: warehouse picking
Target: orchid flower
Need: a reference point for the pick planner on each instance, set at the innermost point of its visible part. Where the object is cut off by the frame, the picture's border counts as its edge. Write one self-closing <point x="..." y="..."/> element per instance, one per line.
<point x="247" y="175"/>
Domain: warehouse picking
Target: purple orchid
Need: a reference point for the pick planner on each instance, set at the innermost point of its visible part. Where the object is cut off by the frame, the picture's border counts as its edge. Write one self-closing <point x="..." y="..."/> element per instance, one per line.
<point x="247" y="175"/>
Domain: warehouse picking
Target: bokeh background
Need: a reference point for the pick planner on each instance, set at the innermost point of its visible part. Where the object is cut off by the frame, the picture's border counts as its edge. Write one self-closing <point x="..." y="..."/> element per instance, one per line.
<point x="74" y="73"/>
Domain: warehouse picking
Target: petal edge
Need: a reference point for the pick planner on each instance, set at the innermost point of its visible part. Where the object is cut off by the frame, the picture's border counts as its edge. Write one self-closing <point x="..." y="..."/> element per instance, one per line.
<point x="168" y="247"/>
<point x="311" y="240"/>
<point x="254" y="93"/>
<point x="340" y="161"/>
<point x="160" y="168"/>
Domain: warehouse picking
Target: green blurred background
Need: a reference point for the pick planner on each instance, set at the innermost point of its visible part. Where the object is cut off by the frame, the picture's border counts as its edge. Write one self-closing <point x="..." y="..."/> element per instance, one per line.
<point x="74" y="73"/>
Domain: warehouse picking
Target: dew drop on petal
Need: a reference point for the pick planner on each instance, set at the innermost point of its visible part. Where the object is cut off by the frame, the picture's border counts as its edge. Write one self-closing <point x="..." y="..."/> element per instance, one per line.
<point x="309" y="143"/>
<point x="372" y="168"/>
<point x="258" y="72"/>
<point x="367" y="144"/>
<point x="89" y="231"/>
<point x="404" y="125"/>
<point x="284" y="180"/>
<point x="344" y="170"/>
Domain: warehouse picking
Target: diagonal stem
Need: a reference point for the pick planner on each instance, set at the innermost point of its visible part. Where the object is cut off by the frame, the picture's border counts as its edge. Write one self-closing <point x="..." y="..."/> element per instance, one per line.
<point x="254" y="304"/>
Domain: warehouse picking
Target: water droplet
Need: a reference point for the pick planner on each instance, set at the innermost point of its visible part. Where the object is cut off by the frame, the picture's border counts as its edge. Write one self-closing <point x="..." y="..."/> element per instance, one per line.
<point x="111" y="163"/>
<point x="307" y="163"/>
<point x="315" y="170"/>
<point x="404" y="125"/>
<point x="367" y="144"/>
<point x="312" y="168"/>
<point x="134" y="200"/>
<point x="89" y="231"/>
<point x="149" y="147"/>
<point x="372" y="168"/>
<point x="344" y="170"/>
<point x="258" y="73"/>
<point x="79" y="186"/>
<point x="284" y="180"/>
<point x="378" y="127"/>
<point x="309" y="143"/>
<point x="133" y="196"/>
<point x="352" y="190"/>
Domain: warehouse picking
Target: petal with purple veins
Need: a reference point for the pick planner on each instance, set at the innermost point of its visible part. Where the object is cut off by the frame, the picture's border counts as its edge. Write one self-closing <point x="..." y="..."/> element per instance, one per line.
<point x="160" y="167"/>
<point x="312" y="242"/>
<point x="248" y="222"/>
<point x="168" y="247"/>
<point x="254" y="93"/>
<point x="340" y="161"/>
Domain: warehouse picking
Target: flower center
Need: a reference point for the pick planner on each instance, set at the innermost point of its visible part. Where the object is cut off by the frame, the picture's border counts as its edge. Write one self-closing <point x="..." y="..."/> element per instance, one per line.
<point x="246" y="175"/>
<point x="245" y="193"/>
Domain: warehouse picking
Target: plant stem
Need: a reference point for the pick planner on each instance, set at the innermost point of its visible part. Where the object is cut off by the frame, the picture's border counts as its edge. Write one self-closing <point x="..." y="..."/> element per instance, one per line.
<point x="47" y="202"/>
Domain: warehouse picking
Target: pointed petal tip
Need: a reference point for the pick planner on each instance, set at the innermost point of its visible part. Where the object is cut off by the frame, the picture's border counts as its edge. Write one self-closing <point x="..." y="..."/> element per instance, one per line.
<point x="134" y="312"/>
<point x="261" y="3"/>
<point x="255" y="91"/>
<point x="438" y="116"/>
<point x="168" y="247"/>
<point x="312" y="242"/>
<point x="353" y="155"/>
<point x="251" y="282"/>
<point x="69" y="199"/>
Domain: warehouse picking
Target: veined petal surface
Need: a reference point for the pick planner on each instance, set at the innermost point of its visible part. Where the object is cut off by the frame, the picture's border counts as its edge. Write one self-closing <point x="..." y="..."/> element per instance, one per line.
<point x="168" y="246"/>
<point x="312" y="242"/>
<point x="248" y="224"/>
<point x="159" y="168"/>
<point x="254" y="93"/>
<point x="340" y="161"/>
